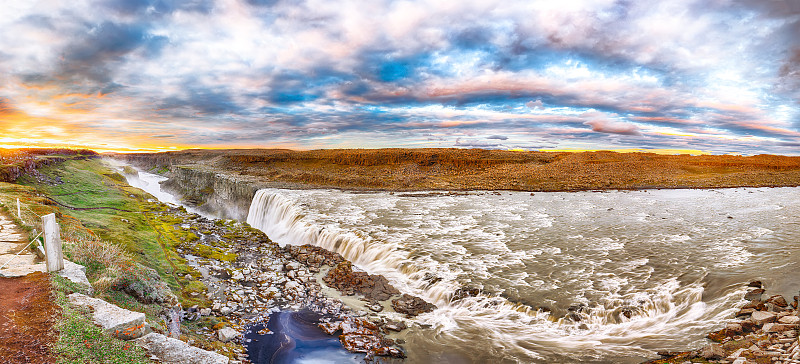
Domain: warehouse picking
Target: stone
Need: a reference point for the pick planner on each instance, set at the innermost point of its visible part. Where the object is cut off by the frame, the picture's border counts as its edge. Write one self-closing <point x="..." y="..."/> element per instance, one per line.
<point x="118" y="322"/>
<point x="773" y="327"/>
<point x="762" y="317"/>
<point x="778" y="300"/>
<point x="237" y="275"/>
<point x="349" y="282"/>
<point x="205" y="311"/>
<point x="375" y="307"/>
<point x="395" y="326"/>
<point x="745" y="312"/>
<point x="291" y="285"/>
<point x="227" y="334"/>
<point x="754" y="294"/>
<point x="174" y="351"/>
<point x="77" y="274"/>
<point x="734" y="328"/>
<point x="411" y="305"/>
<point x="789" y="320"/>
<point x="755" y="284"/>
<point x="225" y="310"/>
<point x="712" y="352"/>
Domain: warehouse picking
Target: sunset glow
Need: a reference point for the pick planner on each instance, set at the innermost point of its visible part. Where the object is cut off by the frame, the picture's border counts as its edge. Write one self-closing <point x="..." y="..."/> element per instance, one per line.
<point x="154" y="75"/>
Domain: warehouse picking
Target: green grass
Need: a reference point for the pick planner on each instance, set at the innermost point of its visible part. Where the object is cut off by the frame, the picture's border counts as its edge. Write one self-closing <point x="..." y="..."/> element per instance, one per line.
<point x="125" y="221"/>
<point x="81" y="341"/>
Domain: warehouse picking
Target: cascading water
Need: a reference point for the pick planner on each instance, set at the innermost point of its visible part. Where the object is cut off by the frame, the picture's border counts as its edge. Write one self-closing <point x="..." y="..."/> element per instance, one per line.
<point x="640" y="270"/>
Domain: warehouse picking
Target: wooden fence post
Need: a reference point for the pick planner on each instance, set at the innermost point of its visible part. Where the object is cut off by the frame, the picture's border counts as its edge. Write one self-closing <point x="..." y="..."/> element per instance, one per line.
<point x="52" y="243"/>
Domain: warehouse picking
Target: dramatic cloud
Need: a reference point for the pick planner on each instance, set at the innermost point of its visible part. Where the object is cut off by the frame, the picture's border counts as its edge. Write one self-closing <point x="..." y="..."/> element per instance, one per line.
<point x="722" y="76"/>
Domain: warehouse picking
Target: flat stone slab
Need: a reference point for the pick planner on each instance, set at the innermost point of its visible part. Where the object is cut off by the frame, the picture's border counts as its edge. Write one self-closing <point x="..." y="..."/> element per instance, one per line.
<point x="118" y="322"/>
<point x="174" y="351"/>
<point x="21" y="265"/>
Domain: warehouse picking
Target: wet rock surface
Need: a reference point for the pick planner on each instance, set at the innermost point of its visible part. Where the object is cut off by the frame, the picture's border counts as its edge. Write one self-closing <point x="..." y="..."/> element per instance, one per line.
<point x="411" y="305"/>
<point x="766" y="333"/>
<point x="249" y="279"/>
<point x="349" y="282"/>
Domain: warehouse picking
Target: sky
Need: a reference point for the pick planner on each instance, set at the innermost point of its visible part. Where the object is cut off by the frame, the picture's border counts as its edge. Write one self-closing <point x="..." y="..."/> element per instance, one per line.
<point x="712" y="75"/>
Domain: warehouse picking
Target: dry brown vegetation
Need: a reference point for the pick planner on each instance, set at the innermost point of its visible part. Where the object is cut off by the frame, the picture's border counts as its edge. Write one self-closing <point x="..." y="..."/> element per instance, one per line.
<point x="467" y="169"/>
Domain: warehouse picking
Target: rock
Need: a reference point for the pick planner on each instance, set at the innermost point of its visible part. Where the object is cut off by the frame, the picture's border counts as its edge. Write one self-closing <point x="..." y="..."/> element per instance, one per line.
<point x="330" y="328"/>
<point x="347" y="281"/>
<point x="375" y="307"/>
<point x="205" y="311"/>
<point x="778" y="300"/>
<point x="462" y="293"/>
<point x="174" y="351"/>
<point x="227" y="334"/>
<point x="773" y="327"/>
<point x="292" y="285"/>
<point x="745" y="312"/>
<point x="389" y="351"/>
<point x="748" y="325"/>
<point x="118" y="322"/>
<point x="712" y="352"/>
<point x="754" y="295"/>
<point x="237" y="275"/>
<point x="225" y="310"/>
<point x="360" y="343"/>
<point x="395" y="326"/>
<point x="789" y="320"/>
<point x="734" y="328"/>
<point x="762" y="317"/>
<point x="756" y="284"/>
<point x="411" y="305"/>
<point x="77" y="274"/>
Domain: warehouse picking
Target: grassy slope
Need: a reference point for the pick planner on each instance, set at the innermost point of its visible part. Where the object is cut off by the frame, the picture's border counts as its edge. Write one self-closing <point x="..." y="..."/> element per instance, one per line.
<point x="90" y="184"/>
<point x="130" y="223"/>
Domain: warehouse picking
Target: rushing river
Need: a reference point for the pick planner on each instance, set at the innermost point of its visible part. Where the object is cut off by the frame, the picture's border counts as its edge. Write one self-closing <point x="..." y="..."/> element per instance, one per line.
<point x="642" y="270"/>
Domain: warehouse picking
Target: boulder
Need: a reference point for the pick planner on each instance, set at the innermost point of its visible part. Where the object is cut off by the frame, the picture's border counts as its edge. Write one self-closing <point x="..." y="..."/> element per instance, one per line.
<point x="754" y="295"/>
<point x="118" y="322"/>
<point x="349" y="282"/>
<point x="174" y="351"/>
<point x="778" y="300"/>
<point x="762" y="317"/>
<point x="789" y="320"/>
<point x="773" y="327"/>
<point x="227" y="334"/>
<point x="77" y="274"/>
<point x="411" y="305"/>
<point x="712" y="352"/>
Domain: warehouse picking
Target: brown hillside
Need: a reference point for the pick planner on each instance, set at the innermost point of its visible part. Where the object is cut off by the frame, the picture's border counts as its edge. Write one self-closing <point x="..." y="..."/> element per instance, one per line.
<point x="466" y="169"/>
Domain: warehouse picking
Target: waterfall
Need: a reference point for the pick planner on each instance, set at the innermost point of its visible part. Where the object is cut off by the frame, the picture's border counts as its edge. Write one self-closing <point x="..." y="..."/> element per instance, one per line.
<point x="282" y="221"/>
<point x="616" y="322"/>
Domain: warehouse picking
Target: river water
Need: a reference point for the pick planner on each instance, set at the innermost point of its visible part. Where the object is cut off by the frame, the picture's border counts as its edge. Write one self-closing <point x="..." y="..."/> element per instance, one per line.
<point x="642" y="270"/>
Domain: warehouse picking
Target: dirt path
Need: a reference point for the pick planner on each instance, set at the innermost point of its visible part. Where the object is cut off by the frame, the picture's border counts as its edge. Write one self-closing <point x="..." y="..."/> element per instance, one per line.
<point x="27" y="310"/>
<point x="27" y="315"/>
